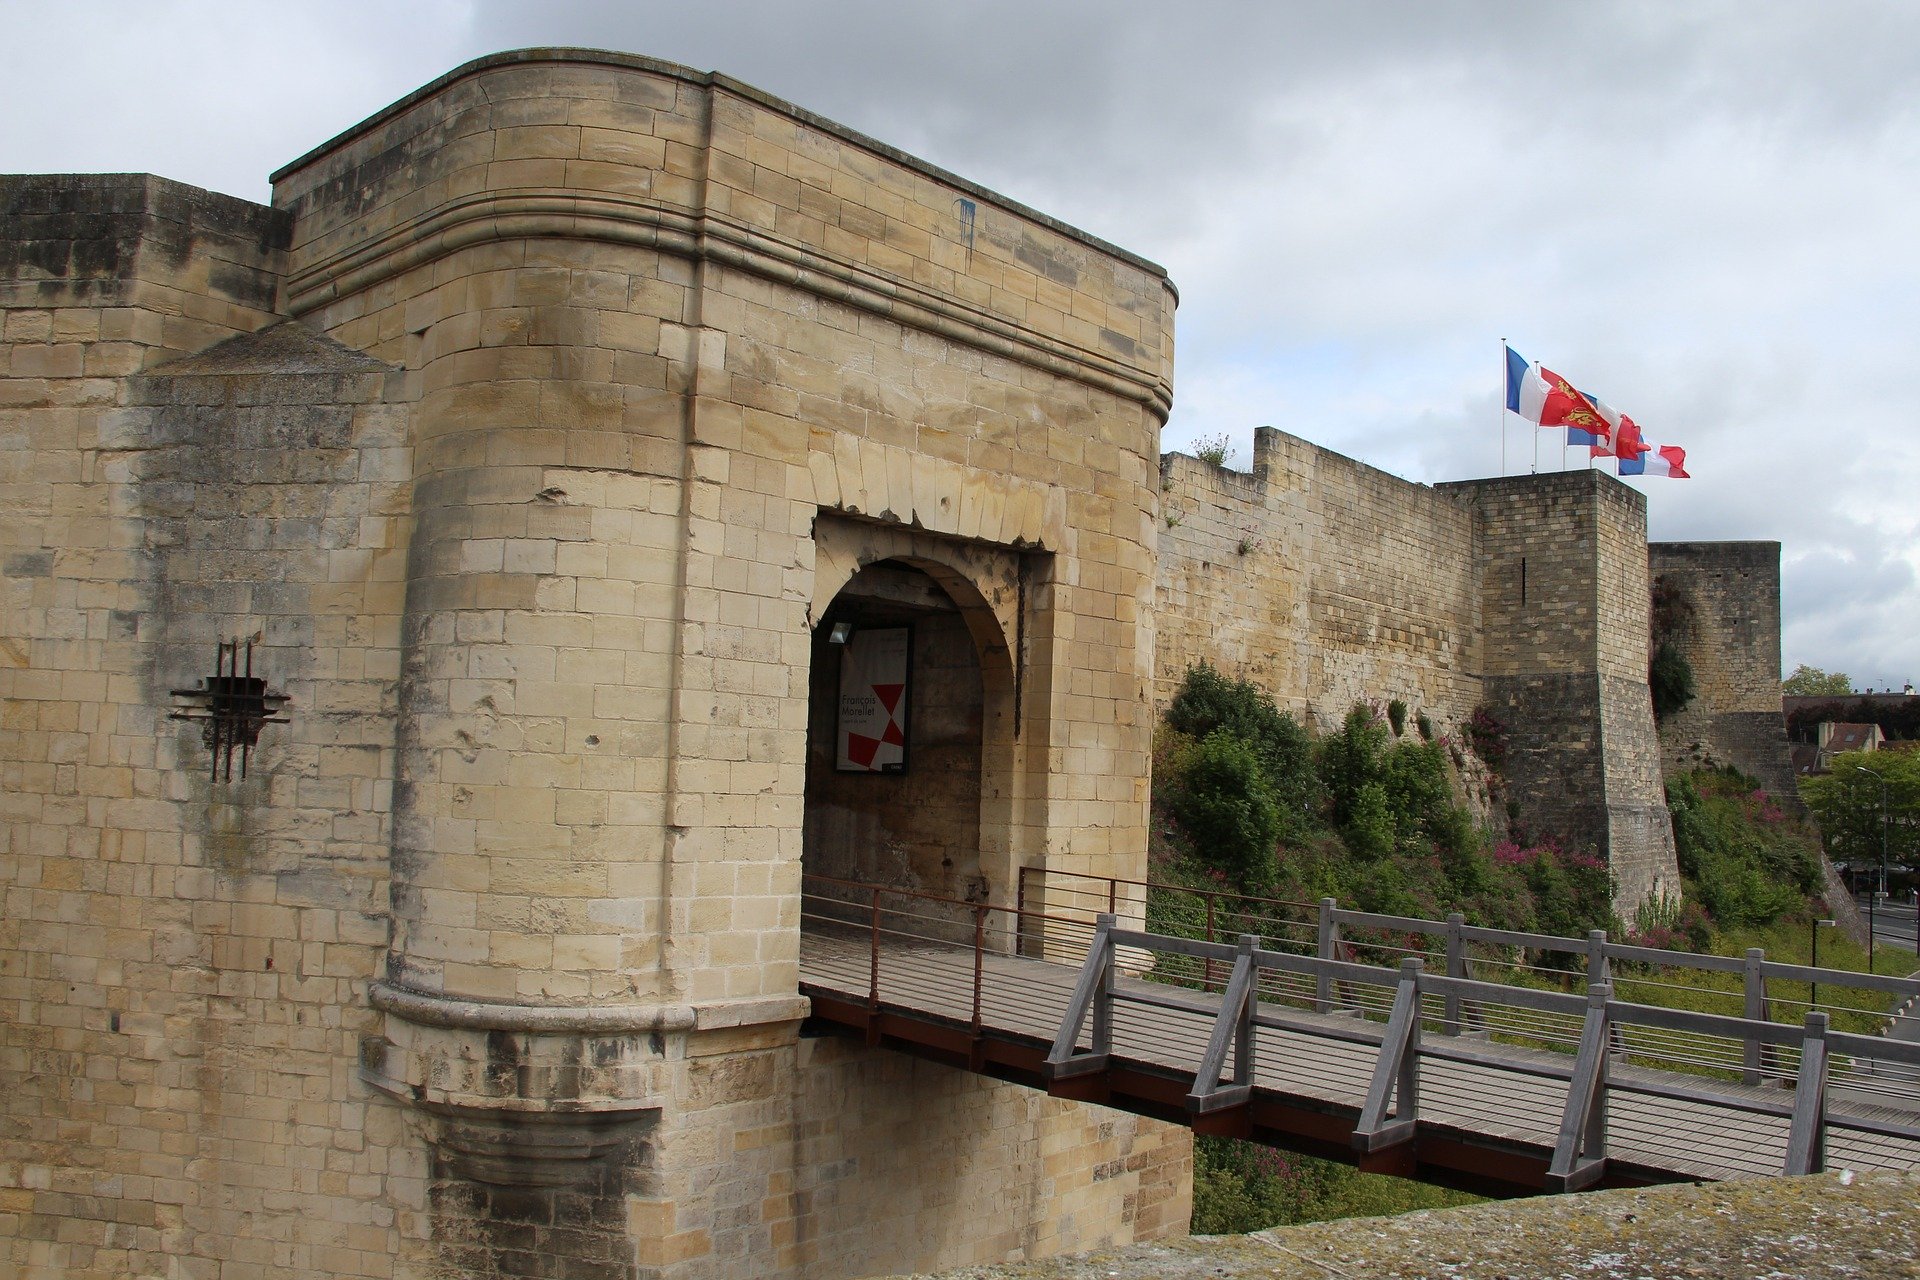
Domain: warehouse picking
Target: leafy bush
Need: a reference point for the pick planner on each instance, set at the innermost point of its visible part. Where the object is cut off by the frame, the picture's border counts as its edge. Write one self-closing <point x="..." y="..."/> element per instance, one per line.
<point x="1360" y="817"/>
<point x="1224" y="802"/>
<point x="1487" y="735"/>
<point x="1209" y="702"/>
<point x="1419" y="797"/>
<point x="1240" y="1187"/>
<point x="1670" y="677"/>
<point x="1397" y="717"/>
<point x="1370" y="827"/>
<point x="1351" y="759"/>
<point x="1743" y="862"/>
<point x="1572" y="892"/>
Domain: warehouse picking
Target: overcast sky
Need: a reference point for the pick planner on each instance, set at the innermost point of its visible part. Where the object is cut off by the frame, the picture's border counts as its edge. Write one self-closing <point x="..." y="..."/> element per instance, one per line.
<point x="1702" y="212"/>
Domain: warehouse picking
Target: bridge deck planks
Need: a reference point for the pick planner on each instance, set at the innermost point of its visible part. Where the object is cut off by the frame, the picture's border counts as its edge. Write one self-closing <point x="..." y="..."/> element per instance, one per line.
<point x="1022" y="997"/>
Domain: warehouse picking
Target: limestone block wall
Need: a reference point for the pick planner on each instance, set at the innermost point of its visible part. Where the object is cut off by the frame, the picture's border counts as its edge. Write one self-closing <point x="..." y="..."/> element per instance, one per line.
<point x="972" y="374"/>
<point x="182" y="961"/>
<point x="1320" y="579"/>
<point x="1731" y="592"/>
<point x="1564" y="599"/>
<point x="1039" y="1175"/>
<point x="489" y="965"/>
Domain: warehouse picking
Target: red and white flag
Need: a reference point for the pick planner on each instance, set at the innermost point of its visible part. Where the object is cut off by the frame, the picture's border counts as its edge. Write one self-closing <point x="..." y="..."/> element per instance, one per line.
<point x="1546" y="399"/>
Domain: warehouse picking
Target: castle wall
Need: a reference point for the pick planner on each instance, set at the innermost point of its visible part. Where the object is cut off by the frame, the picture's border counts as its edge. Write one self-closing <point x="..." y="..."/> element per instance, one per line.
<point x="1320" y="579"/>
<point x="489" y="965"/>
<point x="1327" y="583"/>
<point x="1731" y="639"/>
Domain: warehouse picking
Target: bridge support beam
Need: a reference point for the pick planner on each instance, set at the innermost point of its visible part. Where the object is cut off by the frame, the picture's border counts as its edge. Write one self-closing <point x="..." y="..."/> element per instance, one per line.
<point x="1807" y="1136"/>
<point x="1093" y="994"/>
<point x="1580" y="1155"/>
<point x="1396" y="1073"/>
<point x="1233" y="1028"/>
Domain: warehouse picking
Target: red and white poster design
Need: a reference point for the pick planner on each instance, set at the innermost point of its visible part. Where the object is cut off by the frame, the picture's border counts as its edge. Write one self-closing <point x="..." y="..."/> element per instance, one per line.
<point x="873" y="701"/>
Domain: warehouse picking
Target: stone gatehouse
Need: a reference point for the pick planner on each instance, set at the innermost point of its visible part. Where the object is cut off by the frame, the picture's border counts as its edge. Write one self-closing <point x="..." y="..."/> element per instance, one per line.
<point x="480" y="503"/>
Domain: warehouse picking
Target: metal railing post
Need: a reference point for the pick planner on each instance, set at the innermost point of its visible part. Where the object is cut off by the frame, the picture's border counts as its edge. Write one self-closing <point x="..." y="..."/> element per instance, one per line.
<point x="1327" y="941"/>
<point x="1103" y="996"/>
<point x="1456" y="968"/>
<point x="979" y="961"/>
<point x="873" y="967"/>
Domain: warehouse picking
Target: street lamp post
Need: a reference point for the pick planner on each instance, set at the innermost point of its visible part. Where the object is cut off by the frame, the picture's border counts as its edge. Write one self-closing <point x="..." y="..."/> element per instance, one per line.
<point x="1880" y="891"/>
<point x="1813" y="931"/>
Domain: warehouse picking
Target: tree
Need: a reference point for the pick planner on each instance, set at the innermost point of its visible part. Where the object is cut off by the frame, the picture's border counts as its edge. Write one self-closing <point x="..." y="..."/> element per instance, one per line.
<point x="1847" y="803"/>
<point x="1812" y="682"/>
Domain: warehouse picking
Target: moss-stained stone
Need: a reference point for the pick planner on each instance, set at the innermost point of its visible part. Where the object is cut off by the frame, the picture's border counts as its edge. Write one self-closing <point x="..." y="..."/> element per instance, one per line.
<point x="1863" y="1227"/>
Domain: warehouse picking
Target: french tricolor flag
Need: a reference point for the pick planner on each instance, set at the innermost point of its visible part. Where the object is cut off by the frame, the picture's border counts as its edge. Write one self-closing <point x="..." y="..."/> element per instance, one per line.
<point x="1658" y="460"/>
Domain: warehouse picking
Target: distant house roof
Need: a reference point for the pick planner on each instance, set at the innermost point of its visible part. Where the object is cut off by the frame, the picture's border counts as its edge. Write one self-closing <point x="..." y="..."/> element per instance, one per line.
<point x="1838" y="736"/>
<point x="1806" y="758"/>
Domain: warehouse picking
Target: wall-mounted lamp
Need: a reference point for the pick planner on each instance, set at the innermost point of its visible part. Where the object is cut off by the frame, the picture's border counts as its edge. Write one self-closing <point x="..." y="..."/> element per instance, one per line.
<point x="840" y="633"/>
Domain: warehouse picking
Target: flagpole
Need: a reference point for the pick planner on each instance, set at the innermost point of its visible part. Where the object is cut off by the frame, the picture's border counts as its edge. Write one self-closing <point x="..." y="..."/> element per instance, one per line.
<point x="1500" y="406"/>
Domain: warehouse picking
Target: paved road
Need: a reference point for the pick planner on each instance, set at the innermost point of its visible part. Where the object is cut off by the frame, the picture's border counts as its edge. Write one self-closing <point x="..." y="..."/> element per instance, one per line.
<point x="1893" y="922"/>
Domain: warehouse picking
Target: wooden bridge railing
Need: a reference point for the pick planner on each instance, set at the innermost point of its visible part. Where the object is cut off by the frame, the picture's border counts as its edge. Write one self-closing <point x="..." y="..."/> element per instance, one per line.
<point x="1328" y="931"/>
<point x="1391" y="1113"/>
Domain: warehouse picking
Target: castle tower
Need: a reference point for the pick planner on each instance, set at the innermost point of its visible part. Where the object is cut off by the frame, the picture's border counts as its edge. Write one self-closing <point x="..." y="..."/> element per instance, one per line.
<point x="1564" y="607"/>
<point x="525" y="445"/>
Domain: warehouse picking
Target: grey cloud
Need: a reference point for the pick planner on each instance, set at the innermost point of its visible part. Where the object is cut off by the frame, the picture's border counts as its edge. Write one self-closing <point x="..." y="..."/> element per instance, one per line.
<point x="1700" y="211"/>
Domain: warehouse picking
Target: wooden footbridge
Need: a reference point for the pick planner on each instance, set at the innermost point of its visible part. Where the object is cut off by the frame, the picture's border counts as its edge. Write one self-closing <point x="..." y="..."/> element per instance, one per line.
<point x="1504" y="1062"/>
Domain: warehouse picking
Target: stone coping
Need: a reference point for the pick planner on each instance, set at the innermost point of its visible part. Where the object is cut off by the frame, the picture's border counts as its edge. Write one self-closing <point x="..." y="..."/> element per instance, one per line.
<point x="428" y="1009"/>
<point x="714" y="79"/>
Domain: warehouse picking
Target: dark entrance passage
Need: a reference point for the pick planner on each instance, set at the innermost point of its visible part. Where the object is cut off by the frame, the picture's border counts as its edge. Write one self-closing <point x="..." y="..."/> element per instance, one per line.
<point x="909" y="817"/>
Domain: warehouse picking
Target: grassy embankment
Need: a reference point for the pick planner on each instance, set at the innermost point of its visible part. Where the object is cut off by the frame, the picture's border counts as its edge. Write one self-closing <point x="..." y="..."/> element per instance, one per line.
<point x="1247" y="803"/>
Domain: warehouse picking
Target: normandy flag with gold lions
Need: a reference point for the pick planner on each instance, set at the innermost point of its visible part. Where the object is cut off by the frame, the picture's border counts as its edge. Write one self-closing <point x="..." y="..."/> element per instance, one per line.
<point x="1546" y="399"/>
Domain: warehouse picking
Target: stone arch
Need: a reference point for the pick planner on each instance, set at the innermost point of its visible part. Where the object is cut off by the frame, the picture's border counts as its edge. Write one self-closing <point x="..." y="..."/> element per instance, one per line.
<point x="965" y="596"/>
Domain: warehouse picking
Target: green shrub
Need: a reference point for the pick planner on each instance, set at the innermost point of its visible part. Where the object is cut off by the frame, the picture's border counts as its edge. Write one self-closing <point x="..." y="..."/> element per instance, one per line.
<point x="1670" y="677"/>
<point x="1240" y="1187"/>
<point x="1209" y="702"/>
<point x="1223" y="800"/>
<point x="1350" y="759"/>
<point x="1419" y="797"/>
<point x="1370" y="826"/>
<point x="1397" y="717"/>
<point x="1743" y="860"/>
